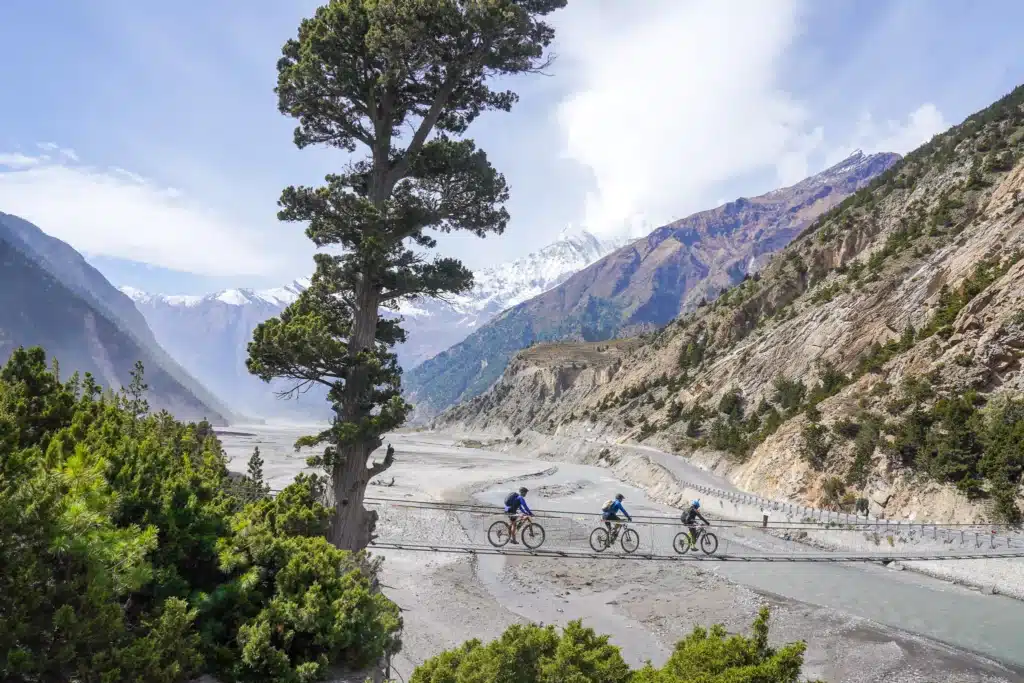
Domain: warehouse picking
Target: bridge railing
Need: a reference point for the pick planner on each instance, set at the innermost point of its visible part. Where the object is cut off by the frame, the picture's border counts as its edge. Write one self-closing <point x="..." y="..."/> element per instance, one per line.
<point x="428" y="525"/>
<point x="992" y="536"/>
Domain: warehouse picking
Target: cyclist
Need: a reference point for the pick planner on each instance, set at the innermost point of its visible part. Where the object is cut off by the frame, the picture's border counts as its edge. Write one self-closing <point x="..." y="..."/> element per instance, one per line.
<point x="690" y="517"/>
<point x="515" y="504"/>
<point x="608" y="514"/>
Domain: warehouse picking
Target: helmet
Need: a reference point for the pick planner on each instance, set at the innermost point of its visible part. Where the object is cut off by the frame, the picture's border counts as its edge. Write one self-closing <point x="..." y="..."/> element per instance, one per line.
<point x="523" y="490"/>
<point x="696" y="504"/>
<point x="619" y="496"/>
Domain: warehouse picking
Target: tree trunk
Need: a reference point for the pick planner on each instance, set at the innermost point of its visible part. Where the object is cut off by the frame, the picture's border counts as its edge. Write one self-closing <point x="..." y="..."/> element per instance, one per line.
<point x="353" y="525"/>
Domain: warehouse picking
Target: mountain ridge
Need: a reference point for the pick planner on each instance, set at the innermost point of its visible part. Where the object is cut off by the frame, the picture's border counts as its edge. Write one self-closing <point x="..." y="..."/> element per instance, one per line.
<point x="54" y="299"/>
<point x="643" y="284"/>
<point x="876" y="362"/>
<point x="69" y="267"/>
<point x="208" y="334"/>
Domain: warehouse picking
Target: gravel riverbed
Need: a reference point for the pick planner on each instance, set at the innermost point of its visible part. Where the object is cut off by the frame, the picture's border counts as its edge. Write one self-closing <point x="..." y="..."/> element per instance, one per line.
<point x="861" y="623"/>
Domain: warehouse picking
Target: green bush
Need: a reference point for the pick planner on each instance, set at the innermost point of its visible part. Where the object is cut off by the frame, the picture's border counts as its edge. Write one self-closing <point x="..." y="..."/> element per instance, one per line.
<point x="961" y="441"/>
<point x="727" y="435"/>
<point x="825" y="293"/>
<point x="130" y="554"/>
<point x="878" y="355"/>
<point x="846" y="428"/>
<point x="864" y="445"/>
<point x="534" y="654"/>
<point x="952" y="301"/>
<point x="692" y="354"/>
<point x="816" y="445"/>
<point x="789" y="395"/>
<point x="731" y="404"/>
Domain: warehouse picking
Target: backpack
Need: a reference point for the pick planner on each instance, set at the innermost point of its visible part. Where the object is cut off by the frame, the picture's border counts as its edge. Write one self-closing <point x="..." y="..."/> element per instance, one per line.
<point x="510" y="499"/>
<point x="607" y="505"/>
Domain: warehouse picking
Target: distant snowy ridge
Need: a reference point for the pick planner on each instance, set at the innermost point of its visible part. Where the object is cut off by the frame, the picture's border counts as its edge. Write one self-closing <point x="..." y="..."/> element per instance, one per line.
<point x="494" y="289"/>
<point x="208" y="334"/>
<point x="277" y="296"/>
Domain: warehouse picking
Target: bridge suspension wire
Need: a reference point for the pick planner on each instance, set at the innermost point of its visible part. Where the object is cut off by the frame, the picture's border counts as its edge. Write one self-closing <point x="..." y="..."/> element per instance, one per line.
<point x="582" y="555"/>
<point x="442" y="529"/>
<point x="804" y="524"/>
<point x="830" y="525"/>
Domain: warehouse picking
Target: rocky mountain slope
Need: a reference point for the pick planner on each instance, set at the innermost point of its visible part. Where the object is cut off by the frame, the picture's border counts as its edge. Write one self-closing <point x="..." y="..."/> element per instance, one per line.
<point x="49" y="296"/>
<point x="875" y="362"/>
<point x="643" y="285"/>
<point x="208" y="334"/>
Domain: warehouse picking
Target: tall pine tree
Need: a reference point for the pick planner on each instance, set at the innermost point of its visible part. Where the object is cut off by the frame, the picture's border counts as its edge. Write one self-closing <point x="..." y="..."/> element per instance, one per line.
<point x="396" y="83"/>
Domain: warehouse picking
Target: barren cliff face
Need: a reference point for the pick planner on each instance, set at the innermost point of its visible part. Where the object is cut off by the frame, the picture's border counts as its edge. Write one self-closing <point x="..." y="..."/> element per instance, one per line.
<point x="876" y="358"/>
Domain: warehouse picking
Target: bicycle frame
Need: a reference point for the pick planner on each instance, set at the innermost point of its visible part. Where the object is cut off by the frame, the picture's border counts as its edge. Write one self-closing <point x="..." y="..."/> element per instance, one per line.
<point x="701" y="530"/>
<point x="616" y="529"/>
<point x="519" y="518"/>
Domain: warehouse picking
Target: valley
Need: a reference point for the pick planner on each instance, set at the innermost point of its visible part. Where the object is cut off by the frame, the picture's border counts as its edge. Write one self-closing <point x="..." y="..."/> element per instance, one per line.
<point x="875" y="361"/>
<point x="300" y="338"/>
<point x="208" y="334"/>
<point x="862" y="622"/>
<point x="644" y="285"/>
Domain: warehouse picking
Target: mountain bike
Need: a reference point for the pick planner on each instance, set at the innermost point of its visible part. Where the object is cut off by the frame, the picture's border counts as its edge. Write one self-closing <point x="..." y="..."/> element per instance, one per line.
<point x="601" y="540"/>
<point x="530" y="533"/>
<point x="682" y="543"/>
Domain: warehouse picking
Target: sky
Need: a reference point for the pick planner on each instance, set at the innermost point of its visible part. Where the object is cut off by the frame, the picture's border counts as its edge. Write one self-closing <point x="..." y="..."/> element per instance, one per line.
<point x="147" y="135"/>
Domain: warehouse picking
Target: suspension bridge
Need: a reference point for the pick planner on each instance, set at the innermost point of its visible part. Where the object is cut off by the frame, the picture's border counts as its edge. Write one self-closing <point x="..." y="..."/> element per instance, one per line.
<point x="462" y="528"/>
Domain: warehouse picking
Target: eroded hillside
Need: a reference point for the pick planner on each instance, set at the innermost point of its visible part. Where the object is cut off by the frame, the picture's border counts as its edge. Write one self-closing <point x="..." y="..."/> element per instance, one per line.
<point x="875" y="361"/>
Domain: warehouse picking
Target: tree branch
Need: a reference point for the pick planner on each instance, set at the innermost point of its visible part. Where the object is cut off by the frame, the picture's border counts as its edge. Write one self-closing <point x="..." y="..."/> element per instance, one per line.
<point x="433" y="114"/>
<point x="401" y="167"/>
<point x="389" y="460"/>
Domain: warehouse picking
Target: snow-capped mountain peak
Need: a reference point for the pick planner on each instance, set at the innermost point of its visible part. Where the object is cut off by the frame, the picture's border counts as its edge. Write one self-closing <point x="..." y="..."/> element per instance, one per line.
<point x="228" y="317"/>
<point x="277" y="296"/>
<point x="511" y="283"/>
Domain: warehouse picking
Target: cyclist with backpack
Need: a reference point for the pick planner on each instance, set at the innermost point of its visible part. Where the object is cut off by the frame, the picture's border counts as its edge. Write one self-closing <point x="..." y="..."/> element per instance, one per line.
<point x="689" y="518"/>
<point x="609" y="514"/>
<point x="515" y="505"/>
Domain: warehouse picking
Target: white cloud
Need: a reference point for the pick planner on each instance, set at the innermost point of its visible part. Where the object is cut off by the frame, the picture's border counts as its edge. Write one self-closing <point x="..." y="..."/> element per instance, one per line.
<point x="671" y="102"/>
<point x="893" y="136"/>
<point x="17" y="160"/>
<point x="117" y="213"/>
<point x="63" y="152"/>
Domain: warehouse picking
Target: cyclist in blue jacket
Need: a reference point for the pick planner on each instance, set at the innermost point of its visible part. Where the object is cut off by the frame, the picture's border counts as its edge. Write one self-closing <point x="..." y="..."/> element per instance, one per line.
<point x="515" y="505"/>
<point x="609" y="513"/>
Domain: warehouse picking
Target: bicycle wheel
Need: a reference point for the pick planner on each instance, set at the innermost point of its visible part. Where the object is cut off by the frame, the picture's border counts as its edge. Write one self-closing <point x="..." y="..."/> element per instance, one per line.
<point x="499" y="534"/>
<point x="599" y="539"/>
<point x="630" y="541"/>
<point x="681" y="543"/>
<point x="532" y="535"/>
<point x="709" y="543"/>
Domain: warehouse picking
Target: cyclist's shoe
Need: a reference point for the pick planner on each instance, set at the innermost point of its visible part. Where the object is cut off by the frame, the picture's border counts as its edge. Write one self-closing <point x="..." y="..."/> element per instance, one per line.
<point x="514" y="541"/>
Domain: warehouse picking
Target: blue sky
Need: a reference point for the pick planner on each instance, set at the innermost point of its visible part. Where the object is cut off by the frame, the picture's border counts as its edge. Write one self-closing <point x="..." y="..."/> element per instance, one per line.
<point x="147" y="136"/>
